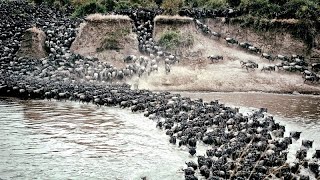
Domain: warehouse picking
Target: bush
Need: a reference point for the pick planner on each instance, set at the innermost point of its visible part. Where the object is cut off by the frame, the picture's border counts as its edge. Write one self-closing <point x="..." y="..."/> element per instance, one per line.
<point x="299" y="9"/>
<point x="158" y="2"/>
<point x="110" y="5"/>
<point x="114" y="40"/>
<point x="171" y="7"/>
<point x="302" y="9"/>
<point x="261" y="8"/>
<point x="234" y="3"/>
<point x="213" y="4"/>
<point x="174" y="39"/>
<point x="89" y="8"/>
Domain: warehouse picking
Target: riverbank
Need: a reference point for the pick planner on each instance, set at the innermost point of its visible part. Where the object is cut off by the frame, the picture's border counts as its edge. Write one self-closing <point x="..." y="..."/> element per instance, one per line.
<point x="226" y="76"/>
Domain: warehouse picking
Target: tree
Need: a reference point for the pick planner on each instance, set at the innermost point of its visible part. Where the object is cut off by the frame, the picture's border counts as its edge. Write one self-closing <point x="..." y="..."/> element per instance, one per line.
<point x="158" y="2"/>
<point x="234" y="3"/>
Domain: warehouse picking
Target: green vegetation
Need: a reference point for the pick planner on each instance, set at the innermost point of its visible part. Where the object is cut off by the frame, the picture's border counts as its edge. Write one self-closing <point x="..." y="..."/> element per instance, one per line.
<point x="298" y="9"/>
<point x="174" y="39"/>
<point x="114" y="40"/>
<point x="171" y="7"/>
<point x="89" y="8"/>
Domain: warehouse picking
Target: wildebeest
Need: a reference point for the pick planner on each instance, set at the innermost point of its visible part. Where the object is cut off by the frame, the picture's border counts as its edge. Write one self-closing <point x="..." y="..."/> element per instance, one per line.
<point x="244" y="45"/>
<point x="282" y="57"/>
<point x="254" y="49"/>
<point x="312" y="78"/>
<point x="130" y="59"/>
<point x="249" y="65"/>
<point x="315" y="66"/>
<point x="215" y="58"/>
<point x="231" y="40"/>
<point x="268" y="68"/>
<point x="307" y="143"/>
<point x="216" y="34"/>
<point x="267" y="56"/>
<point x="167" y="68"/>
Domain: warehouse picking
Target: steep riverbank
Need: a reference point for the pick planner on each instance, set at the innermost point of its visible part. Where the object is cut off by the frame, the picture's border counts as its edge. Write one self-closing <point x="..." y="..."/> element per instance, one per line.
<point x="196" y="73"/>
<point x="226" y="77"/>
<point x="200" y="74"/>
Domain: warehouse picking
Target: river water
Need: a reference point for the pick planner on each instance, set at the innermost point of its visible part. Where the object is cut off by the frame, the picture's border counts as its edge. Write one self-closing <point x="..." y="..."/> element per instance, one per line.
<point x="67" y="140"/>
<point x="43" y="139"/>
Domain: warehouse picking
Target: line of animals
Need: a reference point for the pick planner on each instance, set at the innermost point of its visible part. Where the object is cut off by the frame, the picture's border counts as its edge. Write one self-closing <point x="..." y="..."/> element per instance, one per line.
<point x="154" y="53"/>
<point x="295" y="63"/>
<point x="210" y="13"/>
<point x="239" y="146"/>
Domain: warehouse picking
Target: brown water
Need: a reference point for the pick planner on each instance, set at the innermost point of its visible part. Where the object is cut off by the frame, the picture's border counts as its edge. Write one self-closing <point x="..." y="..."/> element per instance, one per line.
<point x="296" y="107"/>
<point x="68" y="140"/>
<point x="62" y="140"/>
<point x="297" y="112"/>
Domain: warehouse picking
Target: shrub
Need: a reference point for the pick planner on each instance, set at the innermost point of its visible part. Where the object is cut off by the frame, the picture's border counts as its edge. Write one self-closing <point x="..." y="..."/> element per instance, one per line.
<point x="114" y="40"/>
<point x="302" y="9"/>
<point x="174" y="39"/>
<point x="172" y="7"/>
<point x="215" y="4"/>
<point x="158" y="2"/>
<point x="234" y="3"/>
<point x="261" y="8"/>
<point x="109" y="4"/>
<point x="89" y="8"/>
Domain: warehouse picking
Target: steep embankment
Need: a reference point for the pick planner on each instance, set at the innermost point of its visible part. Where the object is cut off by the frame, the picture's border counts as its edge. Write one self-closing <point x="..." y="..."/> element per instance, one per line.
<point x="99" y="36"/>
<point x="274" y="36"/>
<point x="107" y="37"/>
<point x="197" y="73"/>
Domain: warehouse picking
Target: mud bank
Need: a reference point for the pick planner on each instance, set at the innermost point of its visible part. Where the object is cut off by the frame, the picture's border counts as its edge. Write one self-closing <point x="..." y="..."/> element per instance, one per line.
<point x="194" y="71"/>
<point x="225" y="76"/>
<point x="273" y="40"/>
<point x="107" y="37"/>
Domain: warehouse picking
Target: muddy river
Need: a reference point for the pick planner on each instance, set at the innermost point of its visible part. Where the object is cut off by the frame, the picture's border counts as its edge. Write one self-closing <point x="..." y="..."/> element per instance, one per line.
<point x="43" y="139"/>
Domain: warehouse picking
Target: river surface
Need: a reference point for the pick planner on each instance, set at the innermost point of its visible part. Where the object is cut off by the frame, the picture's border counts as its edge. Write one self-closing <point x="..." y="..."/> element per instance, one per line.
<point x="66" y="140"/>
<point x="43" y="139"/>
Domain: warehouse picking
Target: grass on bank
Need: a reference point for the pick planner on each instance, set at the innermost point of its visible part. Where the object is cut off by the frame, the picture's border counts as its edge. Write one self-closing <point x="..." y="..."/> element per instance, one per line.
<point x="298" y="9"/>
<point x="172" y="40"/>
<point x="114" y="40"/>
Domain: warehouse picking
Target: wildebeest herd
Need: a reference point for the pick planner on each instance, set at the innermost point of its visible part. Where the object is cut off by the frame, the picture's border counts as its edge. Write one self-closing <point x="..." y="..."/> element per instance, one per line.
<point x="238" y="146"/>
<point x="293" y="63"/>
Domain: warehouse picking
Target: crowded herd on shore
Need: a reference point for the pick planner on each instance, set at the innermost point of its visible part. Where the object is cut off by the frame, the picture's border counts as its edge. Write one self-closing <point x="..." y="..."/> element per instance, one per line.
<point x="239" y="146"/>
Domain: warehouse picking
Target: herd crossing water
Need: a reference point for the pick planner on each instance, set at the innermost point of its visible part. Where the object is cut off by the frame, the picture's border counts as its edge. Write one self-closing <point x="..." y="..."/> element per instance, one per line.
<point x="47" y="136"/>
<point x="67" y="126"/>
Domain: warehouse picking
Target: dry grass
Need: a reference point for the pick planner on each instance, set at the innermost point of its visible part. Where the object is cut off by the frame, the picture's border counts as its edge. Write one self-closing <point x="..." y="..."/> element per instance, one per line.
<point x="34" y="30"/>
<point x="286" y="21"/>
<point x="107" y="18"/>
<point x="172" y="20"/>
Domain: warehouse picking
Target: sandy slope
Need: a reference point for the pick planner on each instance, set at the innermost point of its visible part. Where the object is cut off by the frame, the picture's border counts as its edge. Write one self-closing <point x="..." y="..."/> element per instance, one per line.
<point x="227" y="75"/>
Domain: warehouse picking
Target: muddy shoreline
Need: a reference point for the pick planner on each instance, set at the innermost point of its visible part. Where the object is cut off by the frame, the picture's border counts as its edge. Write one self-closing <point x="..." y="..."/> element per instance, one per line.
<point x="315" y="93"/>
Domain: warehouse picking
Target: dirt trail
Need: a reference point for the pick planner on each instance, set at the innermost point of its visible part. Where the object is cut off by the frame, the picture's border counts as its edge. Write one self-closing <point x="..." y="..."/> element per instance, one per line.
<point x="199" y="74"/>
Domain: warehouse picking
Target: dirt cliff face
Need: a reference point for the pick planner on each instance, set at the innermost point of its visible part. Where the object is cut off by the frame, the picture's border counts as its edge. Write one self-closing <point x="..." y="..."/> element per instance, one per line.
<point x="273" y="42"/>
<point x="196" y="73"/>
<point x="32" y="44"/>
<point x="109" y="38"/>
<point x="176" y="23"/>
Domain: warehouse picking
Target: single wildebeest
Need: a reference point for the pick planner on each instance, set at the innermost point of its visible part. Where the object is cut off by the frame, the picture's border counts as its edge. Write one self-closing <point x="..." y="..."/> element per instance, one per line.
<point x="231" y="40"/>
<point x="267" y="56"/>
<point x="130" y="59"/>
<point x="249" y="65"/>
<point x="268" y="68"/>
<point x="215" y="58"/>
<point x="315" y="66"/>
